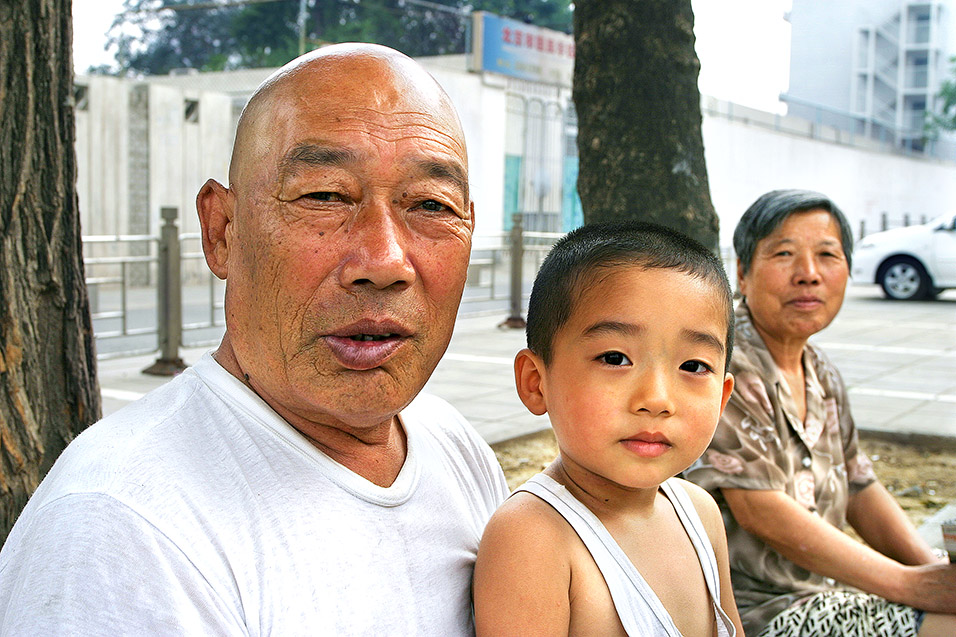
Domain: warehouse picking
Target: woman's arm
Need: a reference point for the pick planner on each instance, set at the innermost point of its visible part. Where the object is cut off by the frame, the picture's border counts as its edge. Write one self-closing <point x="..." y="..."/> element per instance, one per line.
<point x="714" y="524"/>
<point x="882" y="524"/>
<point x="812" y="543"/>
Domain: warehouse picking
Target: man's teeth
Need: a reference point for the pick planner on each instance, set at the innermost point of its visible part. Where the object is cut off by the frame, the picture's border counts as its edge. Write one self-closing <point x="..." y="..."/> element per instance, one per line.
<point x="370" y="337"/>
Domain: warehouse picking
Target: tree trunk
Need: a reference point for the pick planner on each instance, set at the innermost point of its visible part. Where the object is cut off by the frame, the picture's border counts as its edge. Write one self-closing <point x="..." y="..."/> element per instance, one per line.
<point x="635" y="91"/>
<point x="48" y="388"/>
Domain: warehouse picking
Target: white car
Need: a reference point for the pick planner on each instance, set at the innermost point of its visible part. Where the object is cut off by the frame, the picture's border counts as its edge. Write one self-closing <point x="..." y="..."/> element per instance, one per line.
<point x="915" y="262"/>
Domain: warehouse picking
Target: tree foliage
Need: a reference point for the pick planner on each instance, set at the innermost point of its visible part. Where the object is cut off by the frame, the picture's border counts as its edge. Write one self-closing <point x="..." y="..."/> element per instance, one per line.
<point x="945" y="116"/>
<point x="48" y="389"/>
<point x="230" y="34"/>
<point x="639" y="138"/>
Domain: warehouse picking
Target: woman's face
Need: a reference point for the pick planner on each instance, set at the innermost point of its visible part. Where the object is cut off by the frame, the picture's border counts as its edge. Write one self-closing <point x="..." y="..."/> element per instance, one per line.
<point x="797" y="277"/>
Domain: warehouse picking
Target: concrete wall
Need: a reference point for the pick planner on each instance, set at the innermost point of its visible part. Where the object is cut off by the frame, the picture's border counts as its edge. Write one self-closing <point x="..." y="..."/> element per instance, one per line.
<point x="480" y="102"/>
<point x="184" y="153"/>
<point x="102" y="148"/>
<point x="747" y="158"/>
<point x="136" y="149"/>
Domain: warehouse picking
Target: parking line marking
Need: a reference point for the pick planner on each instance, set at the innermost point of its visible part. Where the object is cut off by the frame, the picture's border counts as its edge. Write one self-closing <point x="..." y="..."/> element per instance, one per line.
<point x="886" y="349"/>
<point x="473" y="358"/>
<point x="121" y="394"/>
<point x="905" y="395"/>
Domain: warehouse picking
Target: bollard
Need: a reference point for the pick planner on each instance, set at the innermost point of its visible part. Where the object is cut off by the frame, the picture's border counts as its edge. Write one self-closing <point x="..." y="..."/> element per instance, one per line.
<point x="862" y="228"/>
<point x="515" y="320"/>
<point x="884" y="221"/>
<point x="906" y="219"/>
<point x="169" y="300"/>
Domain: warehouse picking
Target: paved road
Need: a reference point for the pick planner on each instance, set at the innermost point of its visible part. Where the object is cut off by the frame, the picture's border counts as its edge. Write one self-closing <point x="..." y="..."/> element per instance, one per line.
<point x="898" y="359"/>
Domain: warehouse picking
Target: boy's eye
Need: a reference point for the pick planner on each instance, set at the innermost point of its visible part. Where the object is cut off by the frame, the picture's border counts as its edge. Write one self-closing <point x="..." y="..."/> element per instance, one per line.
<point x="695" y="367"/>
<point x="614" y="358"/>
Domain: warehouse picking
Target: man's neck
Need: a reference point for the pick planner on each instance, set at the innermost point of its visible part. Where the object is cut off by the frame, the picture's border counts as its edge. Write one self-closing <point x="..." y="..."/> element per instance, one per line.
<point x="375" y="452"/>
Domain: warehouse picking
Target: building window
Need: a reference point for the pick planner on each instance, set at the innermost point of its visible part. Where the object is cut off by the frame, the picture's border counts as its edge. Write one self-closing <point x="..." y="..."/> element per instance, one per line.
<point x="81" y="97"/>
<point x="192" y="111"/>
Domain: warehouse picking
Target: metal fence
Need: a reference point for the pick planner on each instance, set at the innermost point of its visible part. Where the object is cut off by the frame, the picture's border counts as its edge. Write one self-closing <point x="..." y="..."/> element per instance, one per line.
<point x="887" y="223"/>
<point x="144" y="298"/>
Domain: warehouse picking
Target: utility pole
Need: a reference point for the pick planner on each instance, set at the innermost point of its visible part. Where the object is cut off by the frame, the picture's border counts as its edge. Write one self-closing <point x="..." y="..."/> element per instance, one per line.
<point x="301" y="23"/>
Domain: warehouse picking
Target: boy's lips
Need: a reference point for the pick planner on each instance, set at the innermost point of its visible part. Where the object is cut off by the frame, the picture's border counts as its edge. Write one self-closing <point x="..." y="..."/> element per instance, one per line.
<point x="366" y="344"/>
<point x="647" y="445"/>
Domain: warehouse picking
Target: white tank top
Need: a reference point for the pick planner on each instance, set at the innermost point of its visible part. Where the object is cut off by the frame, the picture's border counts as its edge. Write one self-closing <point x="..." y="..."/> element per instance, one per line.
<point x="640" y="610"/>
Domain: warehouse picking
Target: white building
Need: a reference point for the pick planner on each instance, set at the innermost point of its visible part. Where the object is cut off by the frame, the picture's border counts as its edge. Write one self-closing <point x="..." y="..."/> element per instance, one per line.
<point x="873" y="67"/>
<point x="146" y="144"/>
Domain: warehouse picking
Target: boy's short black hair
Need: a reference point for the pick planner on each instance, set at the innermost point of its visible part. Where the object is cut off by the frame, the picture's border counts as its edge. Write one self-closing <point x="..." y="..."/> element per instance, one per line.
<point x="570" y="267"/>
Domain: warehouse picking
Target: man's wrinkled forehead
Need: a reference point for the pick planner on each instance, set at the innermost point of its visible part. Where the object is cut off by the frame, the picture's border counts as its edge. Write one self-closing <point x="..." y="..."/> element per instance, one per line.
<point x="389" y="98"/>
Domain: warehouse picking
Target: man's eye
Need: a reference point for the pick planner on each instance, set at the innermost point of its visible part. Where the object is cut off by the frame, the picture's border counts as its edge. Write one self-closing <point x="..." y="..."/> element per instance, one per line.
<point x="695" y="367"/>
<point x="614" y="358"/>
<point x="324" y="196"/>
<point x="433" y="206"/>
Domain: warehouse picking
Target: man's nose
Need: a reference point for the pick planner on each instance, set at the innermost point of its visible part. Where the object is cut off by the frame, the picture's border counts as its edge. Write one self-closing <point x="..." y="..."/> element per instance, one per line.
<point x="377" y="250"/>
<point x="806" y="270"/>
<point x="653" y="394"/>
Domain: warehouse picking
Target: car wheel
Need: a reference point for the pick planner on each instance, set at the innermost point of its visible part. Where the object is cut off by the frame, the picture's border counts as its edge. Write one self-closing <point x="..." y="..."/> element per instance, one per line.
<point x="904" y="279"/>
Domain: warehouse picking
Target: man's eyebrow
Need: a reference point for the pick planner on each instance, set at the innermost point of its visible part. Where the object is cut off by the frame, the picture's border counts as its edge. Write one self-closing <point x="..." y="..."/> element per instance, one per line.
<point x="704" y="338"/>
<point x="315" y="155"/>
<point x="446" y="171"/>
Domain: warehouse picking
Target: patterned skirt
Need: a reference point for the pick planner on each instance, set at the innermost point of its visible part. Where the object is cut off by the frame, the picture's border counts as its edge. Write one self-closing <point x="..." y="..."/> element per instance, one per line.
<point x="845" y="614"/>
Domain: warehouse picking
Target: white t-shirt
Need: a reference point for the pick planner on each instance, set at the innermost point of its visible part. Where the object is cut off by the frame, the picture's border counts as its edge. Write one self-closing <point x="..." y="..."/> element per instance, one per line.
<point x="199" y="511"/>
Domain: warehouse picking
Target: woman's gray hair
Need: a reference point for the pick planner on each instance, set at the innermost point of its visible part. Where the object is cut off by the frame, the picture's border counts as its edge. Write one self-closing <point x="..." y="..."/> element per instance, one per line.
<point x="771" y="209"/>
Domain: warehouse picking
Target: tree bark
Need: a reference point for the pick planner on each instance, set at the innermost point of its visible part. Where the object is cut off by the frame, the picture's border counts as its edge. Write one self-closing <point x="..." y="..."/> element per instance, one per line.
<point x="48" y="387"/>
<point x="635" y="91"/>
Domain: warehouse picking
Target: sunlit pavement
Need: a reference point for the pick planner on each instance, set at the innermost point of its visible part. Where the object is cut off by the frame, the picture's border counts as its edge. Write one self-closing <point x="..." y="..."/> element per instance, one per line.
<point x="898" y="360"/>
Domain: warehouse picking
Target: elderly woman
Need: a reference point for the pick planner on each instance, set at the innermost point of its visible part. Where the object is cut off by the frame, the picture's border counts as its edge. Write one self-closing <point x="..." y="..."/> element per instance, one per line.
<point x="784" y="464"/>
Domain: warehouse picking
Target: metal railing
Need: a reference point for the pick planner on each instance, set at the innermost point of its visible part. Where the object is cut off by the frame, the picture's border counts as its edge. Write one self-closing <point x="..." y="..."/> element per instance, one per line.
<point x="136" y="287"/>
<point x="887" y="223"/>
<point x="149" y="311"/>
<point x="142" y="302"/>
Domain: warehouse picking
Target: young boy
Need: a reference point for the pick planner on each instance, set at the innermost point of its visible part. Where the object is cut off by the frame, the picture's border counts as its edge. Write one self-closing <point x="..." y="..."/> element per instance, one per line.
<point x="629" y="337"/>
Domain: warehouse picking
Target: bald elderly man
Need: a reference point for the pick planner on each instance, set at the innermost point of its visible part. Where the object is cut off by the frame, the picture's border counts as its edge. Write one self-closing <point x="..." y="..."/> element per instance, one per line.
<point x="291" y="482"/>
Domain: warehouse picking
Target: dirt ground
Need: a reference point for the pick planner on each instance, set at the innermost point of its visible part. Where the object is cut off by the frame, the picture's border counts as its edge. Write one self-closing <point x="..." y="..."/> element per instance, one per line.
<point x="922" y="475"/>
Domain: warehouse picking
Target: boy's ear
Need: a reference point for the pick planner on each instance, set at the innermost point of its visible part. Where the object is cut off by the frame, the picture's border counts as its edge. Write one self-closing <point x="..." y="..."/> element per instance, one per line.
<point x="529" y="381"/>
<point x="216" y="207"/>
<point x="741" y="284"/>
<point x="727" y="391"/>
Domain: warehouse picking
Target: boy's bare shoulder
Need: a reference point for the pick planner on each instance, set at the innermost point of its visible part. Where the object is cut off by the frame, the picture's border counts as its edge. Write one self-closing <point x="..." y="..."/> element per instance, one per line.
<point x="705" y="505"/>
<point x="525" y="516"/>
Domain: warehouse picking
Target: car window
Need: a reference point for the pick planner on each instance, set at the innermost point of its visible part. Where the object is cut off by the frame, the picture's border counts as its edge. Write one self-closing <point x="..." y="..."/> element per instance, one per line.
<point x="944" y="223"/>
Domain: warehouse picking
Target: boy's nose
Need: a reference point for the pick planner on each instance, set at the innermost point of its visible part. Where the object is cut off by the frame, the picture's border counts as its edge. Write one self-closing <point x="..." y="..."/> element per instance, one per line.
<point x="653" y="394"/>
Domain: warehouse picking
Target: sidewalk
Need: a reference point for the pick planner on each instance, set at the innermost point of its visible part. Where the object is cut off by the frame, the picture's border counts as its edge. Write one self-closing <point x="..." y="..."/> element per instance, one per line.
<point x="897" y="358"/>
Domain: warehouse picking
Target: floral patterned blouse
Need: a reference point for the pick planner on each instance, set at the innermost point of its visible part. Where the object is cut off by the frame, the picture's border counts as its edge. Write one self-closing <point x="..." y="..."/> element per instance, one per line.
<point x="761" y="444"/>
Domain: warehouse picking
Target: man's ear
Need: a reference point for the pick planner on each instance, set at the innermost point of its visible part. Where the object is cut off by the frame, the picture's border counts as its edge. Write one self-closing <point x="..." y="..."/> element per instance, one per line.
<point x="529" y="381"/>
<point x="728" y="389"/>
<point x="216" y="206"/>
